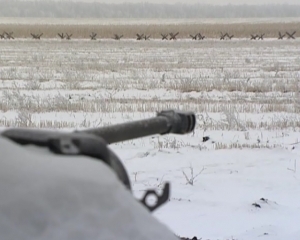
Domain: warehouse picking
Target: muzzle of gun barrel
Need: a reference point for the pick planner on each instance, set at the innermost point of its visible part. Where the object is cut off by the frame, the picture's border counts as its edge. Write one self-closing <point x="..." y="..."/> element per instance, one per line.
<point x="181" y="122"/>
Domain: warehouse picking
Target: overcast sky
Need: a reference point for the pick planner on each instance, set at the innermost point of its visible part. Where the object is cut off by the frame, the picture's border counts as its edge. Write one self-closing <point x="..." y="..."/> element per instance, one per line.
<point x="219" y="2"/>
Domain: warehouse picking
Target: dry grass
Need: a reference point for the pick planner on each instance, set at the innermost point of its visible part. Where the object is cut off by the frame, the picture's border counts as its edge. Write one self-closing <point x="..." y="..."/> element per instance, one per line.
<point x="239" y="30"/>
<point x="79" y="84"/>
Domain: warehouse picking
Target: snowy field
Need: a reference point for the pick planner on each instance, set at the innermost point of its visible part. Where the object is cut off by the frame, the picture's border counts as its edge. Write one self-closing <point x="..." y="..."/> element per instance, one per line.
<point x="148" y="21"/>
<point x="246" y="98"/>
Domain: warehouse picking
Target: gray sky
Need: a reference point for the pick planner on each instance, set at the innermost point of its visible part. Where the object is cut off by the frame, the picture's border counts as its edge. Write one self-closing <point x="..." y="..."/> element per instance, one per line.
<point x="219" y="2"/>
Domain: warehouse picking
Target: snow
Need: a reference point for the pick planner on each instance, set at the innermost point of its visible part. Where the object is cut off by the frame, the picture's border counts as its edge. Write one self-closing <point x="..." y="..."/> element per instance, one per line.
<point x="245" y="96"/>
<point x="136" y="21"/>
<point x="219" y="203"/>
<point x="44" y="196"/>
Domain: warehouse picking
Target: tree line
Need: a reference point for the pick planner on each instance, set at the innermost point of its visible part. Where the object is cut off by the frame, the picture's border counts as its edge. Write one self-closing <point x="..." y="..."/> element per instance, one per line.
<point x="68" y="9"/>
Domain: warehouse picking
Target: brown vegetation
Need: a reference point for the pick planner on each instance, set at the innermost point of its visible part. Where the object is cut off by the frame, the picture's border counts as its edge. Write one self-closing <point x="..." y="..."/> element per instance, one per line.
<point x="240" y="30"/>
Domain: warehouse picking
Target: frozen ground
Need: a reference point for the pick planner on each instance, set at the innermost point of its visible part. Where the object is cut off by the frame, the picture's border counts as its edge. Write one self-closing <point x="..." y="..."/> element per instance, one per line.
<point x="219" y="203"/>
<point x="246" y="98"/>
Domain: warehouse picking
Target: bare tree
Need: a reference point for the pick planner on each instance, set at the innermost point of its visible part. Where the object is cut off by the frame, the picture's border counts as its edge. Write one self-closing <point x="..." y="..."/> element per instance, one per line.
<point x="191" y="180"/>
<point x="147" y="37"/>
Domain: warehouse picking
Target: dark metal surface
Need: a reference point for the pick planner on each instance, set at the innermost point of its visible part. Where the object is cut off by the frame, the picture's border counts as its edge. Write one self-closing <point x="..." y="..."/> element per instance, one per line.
<point x="169" y="121"/>
<point x="160" y="199"/>
<point x="94" y="142"/>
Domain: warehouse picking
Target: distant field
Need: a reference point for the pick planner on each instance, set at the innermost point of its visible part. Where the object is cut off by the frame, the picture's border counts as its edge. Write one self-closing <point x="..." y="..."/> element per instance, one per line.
<point x="106" y="28"/>
<point x="137" y="21"/>
<point x="258" y="84"/>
